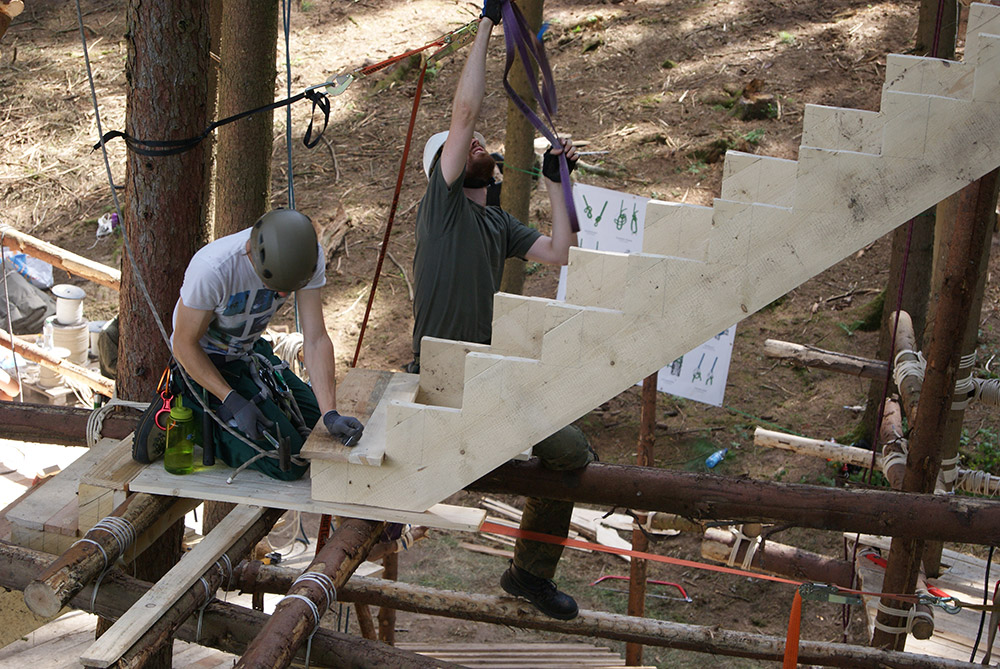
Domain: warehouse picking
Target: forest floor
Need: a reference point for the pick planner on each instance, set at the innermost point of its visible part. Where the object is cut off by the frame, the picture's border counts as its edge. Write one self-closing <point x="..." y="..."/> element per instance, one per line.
<point x="646" y="83"/>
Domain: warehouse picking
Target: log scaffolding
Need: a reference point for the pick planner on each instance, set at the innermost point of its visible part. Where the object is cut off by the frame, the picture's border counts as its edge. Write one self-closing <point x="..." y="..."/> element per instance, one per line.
<point x="645" y="631"/>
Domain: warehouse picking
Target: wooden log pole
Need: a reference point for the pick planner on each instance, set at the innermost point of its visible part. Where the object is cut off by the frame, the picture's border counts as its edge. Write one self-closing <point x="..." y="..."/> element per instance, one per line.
<point x="166" y="627"/>
<point x="72" y="263"/>
<point x="712" y="497"/>
<point x="953" y="309"/>
<point x="99" y="384"/>
<point x="904" y="352"/>
<point x="294" y="621"/>
<point x="66" y="426"/>
<point x="810" y="356"/>
<point x="226" y="627"/>
<point x="778" y="559"/>
<point x="365" y="621"/>
<point x="98" y="549"/>
<point x="594" y="624"/>
<point x="387" y="614"/>
<point x="893" y="442"/>
<point x="637" y="567"/>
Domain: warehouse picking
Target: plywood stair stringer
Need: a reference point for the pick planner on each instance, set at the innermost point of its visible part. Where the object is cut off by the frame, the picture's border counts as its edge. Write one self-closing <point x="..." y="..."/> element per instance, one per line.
<point x="930" y="145"/>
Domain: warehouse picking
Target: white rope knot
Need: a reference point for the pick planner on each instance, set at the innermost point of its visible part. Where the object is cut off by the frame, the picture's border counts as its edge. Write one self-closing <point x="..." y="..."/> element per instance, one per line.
<point x="753" y="543"/>
<point x="905" y="368"/>
<point x="95" y="421"/>
<point x="912" y="615"/>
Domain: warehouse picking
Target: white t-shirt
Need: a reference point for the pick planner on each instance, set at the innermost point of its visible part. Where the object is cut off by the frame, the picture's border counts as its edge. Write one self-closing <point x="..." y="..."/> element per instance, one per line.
<point x="221" y="278"/>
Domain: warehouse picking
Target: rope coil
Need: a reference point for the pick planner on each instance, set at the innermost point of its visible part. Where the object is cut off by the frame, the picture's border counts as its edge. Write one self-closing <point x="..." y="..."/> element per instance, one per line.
<point x="912" y="615"/>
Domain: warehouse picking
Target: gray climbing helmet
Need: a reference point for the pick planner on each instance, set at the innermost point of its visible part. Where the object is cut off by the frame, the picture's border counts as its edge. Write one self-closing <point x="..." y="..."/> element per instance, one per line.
<point x="284" y="250"/>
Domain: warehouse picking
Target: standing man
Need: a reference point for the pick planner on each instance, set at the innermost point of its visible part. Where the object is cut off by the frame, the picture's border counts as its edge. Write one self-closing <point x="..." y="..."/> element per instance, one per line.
<point x="232" y="288"/>
<point x="461" y="248"/>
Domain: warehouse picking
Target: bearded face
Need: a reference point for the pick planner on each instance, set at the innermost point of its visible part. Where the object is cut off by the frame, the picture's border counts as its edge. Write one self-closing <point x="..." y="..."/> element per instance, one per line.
<point x="479" y="169"/>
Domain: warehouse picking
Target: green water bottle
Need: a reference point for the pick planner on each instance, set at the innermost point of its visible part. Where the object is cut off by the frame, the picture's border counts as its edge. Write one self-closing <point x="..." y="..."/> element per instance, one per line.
<point x="182" y="436"/>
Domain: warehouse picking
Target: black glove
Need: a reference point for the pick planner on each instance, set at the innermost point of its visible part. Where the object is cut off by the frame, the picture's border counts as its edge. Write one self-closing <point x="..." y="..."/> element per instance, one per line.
<point x="491" y="10"/>
<point x="345" y="428"/>
<point x="244" y="414"/>
<point x="550" y="165"/>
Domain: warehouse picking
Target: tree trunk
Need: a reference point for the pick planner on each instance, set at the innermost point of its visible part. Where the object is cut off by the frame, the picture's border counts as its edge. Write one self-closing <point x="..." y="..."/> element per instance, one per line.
<point x="972" y="231"/>
<point x="519" y="153"/>
<point x="933" y="40"/>
<point x="246" y="80"/>
<point x="167" y="70"/>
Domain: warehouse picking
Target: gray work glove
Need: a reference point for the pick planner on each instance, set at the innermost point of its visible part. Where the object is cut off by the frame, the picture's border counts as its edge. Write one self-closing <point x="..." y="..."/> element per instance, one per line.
<point x="244" y="415"/>
<point x="346" y="428"/>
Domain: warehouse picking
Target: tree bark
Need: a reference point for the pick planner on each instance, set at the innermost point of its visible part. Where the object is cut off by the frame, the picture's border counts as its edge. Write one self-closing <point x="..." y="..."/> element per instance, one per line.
<point x="387" y="615"/>
<point x="707" y="496"/>
<point x="516" y="613"/>
<point x="66" y="426"/>
<point x="810" y="356"/>
<point x="226" y="627"/>
<point x="519" y="152"/>
<point x="293" y="621"/>
<point x="637" y="567"/>
<point x="246" y="81"/>
<point x="82" y="563"/>
<point x="954" y="308"/>
<point x="936" y="34"/>
<point x="167" y="71"/>
<point x="67" y="261"/>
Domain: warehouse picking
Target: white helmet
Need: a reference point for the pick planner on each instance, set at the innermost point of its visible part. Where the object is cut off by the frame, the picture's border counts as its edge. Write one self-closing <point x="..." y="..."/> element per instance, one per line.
<point x="434" y="145"/>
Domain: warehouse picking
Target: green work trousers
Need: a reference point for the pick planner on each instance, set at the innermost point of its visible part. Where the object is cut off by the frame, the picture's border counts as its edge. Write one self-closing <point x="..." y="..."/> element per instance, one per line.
<point x="565" y="450"/>
<point x="235" y="452"/>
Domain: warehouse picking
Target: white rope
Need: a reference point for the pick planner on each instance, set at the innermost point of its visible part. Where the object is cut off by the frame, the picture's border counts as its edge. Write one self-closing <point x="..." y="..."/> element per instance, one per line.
<point x="316" y="617"/>
<point x="95" y="421"/>
<point x="987" y="390"/>
<point x="287" y="347"/>
<point x="978" y="482"/>
<point x="753" y="543"/>
<point x="903" y="368"/>
<point x="911" y="615"/>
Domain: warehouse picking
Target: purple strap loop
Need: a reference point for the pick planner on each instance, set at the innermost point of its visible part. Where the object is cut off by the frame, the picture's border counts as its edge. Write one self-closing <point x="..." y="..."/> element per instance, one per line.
<point x="520" y="39"/>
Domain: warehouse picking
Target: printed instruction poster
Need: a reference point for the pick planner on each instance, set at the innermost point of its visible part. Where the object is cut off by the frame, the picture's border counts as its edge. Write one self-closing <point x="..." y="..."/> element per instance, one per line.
<point x="613" y="221"/>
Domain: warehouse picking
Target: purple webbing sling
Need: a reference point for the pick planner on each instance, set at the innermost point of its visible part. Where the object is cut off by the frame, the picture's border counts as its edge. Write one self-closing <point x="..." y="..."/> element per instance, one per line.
<point x="518" y="36"/>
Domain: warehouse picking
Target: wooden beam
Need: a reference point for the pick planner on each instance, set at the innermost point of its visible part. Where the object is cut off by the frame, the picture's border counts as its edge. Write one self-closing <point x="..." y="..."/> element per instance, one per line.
<point x="111" y="645"/>
<point x="81" y="564"/>
<point x="905" y="351"/>
<point x="224" y="626"/>
<point x="99" y="384"/>
<point x="66" y="426"/>
<point x="64" y="260"/>
<point x="513" y="612"/>
<point x="707" y="496"/>
<point x="810" y="356"/>
<point x="293" y="621"/>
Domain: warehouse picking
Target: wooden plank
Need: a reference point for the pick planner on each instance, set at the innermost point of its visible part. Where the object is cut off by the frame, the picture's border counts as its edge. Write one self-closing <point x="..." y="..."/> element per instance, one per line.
<point x="678" y="230"/>
<point x="841" y="129"/>
<point x="116" y="641"/>
<point x="252" y="487"/>
<point x="747" y="177"/>
<point x="442" y="370"/>
<point x="370" y="450"/>
<point x="49" y="498"/>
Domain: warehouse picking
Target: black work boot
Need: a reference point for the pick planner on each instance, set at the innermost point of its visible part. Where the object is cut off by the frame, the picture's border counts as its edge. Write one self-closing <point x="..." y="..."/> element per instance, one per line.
<point x="539" y="591"/>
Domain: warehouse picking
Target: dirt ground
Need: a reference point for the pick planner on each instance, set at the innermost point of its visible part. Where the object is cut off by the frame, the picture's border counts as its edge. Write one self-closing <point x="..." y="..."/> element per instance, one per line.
<point x="645" y="81"/>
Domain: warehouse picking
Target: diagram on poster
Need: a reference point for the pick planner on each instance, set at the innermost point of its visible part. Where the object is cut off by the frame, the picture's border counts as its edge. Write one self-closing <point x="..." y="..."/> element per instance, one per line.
<point x="613" y="221"/>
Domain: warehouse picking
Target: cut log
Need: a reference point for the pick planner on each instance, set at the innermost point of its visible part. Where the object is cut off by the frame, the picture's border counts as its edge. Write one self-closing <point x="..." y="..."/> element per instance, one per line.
<point x="64" y="260"/>
<point x="99" y="384"/>
<point x="224" y="626"/>
<point x="905" y="352"/>
<point x="810" y="356"/>
<point x="711" y="497"/>
<point x="774" y="558"/>
<point x="294" y="621"/>
<point x="517" y="613"/>
<point x="66" y="426"/>
<point x="98" y="550"/>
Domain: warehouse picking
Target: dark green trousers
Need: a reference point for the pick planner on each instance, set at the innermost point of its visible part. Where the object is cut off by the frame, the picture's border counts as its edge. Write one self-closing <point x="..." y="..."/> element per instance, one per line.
<point x="235" y="452"/>
<point x="566" y="449"/>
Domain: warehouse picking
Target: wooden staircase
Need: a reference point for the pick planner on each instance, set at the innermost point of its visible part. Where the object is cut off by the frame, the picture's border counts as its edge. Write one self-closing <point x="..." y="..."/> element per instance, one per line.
<point x="777" y="224"/>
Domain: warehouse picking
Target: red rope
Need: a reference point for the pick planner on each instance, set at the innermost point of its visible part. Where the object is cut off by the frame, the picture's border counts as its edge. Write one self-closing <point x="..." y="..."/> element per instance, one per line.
<point x="392" y="212"/>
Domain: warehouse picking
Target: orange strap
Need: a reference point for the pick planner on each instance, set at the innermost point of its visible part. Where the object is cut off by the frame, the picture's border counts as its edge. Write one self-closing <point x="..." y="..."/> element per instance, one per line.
<point x="792" y="639"/>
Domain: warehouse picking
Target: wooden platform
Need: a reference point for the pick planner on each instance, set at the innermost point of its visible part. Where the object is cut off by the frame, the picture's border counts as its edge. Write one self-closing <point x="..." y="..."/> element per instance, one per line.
<point x="962" y="577"/>
<point x="520" y="655"/>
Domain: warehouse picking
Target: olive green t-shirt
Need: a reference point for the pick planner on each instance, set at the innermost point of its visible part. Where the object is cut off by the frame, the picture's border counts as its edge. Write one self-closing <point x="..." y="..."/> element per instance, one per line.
<point x="458" y="263"/>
